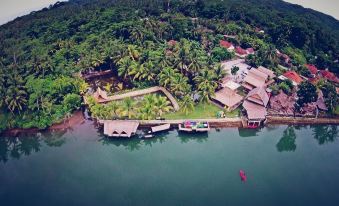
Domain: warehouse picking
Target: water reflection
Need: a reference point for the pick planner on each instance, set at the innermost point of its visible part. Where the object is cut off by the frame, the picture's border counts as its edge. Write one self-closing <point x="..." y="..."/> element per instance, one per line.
<point x="197" y="137"/>
<point x="287" y="142"/>
<point x="132" y="144"/>
<point x="245" y="132"/>
<point x="325" y="134"/>
<point x="16" y="147"/>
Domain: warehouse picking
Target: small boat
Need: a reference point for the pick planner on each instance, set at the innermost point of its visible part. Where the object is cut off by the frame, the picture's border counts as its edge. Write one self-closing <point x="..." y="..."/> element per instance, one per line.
<point x="147" y="136"/>
<point x="192" y="126"/>
<point x="242" y="175"/>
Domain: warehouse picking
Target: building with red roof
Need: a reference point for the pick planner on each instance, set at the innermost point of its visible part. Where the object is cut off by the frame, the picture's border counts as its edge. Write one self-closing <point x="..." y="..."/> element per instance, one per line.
<point x="171" y="42"/>
<point x="313" y="69"/>
<point x="293" y="76"/>
<point x="240" y="52"/>
<point x="250" y="51"/>
<point x="228" y="45"/>
<point x="329" y="76"/>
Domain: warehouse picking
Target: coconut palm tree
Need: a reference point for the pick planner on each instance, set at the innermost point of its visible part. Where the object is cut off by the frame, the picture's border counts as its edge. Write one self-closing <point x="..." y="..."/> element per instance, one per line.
<point x="114" y="109"/>
<point x="125" y="66"/>
<point x="162" y="105"/>
<point x="166" y="76"/>
<point x="128" y="106"/>
<point x="187" y="104"/>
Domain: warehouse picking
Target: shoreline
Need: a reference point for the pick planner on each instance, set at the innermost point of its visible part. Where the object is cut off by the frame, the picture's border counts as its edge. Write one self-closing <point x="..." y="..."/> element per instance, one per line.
<point x="78" y="118"/>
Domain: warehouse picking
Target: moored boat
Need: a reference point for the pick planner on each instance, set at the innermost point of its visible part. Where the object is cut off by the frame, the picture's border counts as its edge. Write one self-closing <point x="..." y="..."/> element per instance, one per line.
<point x="192" y="126"/>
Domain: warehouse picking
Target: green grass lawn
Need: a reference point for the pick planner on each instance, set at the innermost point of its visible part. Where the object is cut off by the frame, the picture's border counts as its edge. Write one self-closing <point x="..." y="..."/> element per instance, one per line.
<point x="337" y="110"/>
<point x="234" y="113"/>
<point x="201" y="111"/>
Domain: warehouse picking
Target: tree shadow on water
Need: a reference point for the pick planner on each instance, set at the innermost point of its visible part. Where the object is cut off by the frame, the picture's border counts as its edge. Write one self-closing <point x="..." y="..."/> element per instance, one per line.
<point x="325" y="133"/>
<point x="197" y="137"/>
<point x="287" y="141"/>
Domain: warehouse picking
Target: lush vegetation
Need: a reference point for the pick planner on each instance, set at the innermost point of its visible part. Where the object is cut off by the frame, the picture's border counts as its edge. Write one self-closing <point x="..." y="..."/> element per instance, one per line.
<point x="200" y="111"/>
<point x="41" y="53"/>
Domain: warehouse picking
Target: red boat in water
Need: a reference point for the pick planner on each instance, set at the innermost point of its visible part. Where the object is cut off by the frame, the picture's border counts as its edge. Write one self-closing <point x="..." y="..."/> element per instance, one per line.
<point x="242" y="175"/>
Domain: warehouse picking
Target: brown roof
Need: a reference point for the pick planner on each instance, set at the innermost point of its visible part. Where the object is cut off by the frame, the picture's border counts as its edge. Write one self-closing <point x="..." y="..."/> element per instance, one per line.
<point x="119" y="128"/>
<point x="270" y="73"/>
<point x="256" y="78"/>
<point x="283" y="103"/>
<point x="254" y="111"/>
<point x="228" y="97"/>
<point x="259" y="96"/>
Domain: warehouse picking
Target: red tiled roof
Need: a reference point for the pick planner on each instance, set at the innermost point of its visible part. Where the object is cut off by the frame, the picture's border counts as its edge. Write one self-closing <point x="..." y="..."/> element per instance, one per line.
<point x="329" y="76"/>
<point x="292" y="75"/>
<point x="225" y="44"/>
<point x="313" y="69"/>
<point x="172" y="42"/>
<point x="240" y="51"/>
<point x="250" y="50"/>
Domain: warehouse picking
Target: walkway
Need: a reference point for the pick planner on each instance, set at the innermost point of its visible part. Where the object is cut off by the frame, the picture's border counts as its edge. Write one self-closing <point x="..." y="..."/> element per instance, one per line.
<point x="223" y="122"/>
<point x="104" y="98"/>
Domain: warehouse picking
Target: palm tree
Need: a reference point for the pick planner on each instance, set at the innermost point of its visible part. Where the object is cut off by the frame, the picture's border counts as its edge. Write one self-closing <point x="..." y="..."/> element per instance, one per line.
<point x="125" y="66"/>
<point x="166" y="76"/>
<point x="179" y="85"/>
<point x="128" y="105"/>
<point x="187" y="104"/>
<point x="15" y="98"/>
<point x="114" y="109"/>
<point x="206" y="77"/>
<point x="162" y="105"/>
<point x="147" y="111"/>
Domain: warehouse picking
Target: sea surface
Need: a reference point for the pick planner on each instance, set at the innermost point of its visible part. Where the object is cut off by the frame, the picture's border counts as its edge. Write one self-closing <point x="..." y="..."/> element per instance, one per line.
<point x="285" y="165"/>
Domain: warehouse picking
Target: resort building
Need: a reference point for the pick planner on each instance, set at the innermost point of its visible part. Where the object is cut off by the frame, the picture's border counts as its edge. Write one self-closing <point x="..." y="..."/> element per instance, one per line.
<point x="293" y="76"/>
<point x="329" y="76"/>
<point x="283" y="104"/>
<point x="240" y="52"/>
<point x="228" y="96"/>
<point x="119" y="128"/>
<point x="254" y="78"/>
<point x="313" y="69"/>
<point x="228" y="45"/>
<point x="255" y="106"/>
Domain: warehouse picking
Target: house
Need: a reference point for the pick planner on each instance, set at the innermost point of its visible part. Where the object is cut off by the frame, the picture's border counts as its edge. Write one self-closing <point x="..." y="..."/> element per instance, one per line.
<point x="283" y="104"/>
<point x="258" y="96"/>
<point x="240" y="52"/>
<point x="269" y="72"/>
<point x="171" y="43"/>
<point x="229" y="98"/>
<point x="329" y="76"/>
<point x="254" y="78"/>
<point x="293" y="76"/>
<point x="255" y="106"/>
<point x="284" y="59"/>
<point x="250" y="51"/>
<point x="313" y="69"/>
<point x="229" y="46"/>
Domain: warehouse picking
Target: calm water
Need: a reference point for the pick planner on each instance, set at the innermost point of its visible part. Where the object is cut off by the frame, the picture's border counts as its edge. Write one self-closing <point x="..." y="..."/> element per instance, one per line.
<point x="284" y="165"/>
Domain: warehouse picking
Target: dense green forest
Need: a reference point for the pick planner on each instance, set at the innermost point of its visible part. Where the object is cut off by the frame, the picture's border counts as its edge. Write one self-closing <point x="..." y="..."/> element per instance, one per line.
<point x="42" y="54"/>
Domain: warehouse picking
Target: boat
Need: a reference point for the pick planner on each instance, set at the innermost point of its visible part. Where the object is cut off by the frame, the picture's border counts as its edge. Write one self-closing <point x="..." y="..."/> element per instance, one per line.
<point x="192" y="126"/>
<point x="147" y="136"/>
<point x="242" y="176"/>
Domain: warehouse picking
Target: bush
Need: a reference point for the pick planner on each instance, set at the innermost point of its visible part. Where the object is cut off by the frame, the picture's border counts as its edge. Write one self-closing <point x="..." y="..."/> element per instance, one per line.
<point x="71" y="102"/>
